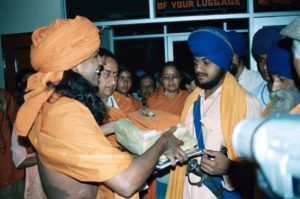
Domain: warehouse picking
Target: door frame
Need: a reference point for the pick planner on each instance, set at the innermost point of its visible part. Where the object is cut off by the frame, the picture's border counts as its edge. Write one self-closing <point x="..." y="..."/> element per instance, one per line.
<point x="169" y="46"/>
<point x="260" y="22"/>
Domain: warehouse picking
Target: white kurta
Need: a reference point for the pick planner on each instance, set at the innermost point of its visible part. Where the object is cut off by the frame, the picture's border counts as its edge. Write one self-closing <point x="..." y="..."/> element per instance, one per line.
<point x="212" y="135"/>
<point x="254" y="84"/>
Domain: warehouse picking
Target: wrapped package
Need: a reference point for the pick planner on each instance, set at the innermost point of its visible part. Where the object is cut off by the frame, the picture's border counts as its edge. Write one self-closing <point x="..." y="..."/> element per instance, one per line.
<point x="138" y="141"/>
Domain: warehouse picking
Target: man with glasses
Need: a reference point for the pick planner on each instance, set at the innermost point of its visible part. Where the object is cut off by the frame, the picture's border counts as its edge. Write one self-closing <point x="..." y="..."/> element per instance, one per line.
<point x="107" y="77"/>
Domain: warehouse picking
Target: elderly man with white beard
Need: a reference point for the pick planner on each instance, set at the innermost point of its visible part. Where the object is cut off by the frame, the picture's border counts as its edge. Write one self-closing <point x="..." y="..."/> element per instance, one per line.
<point x="284" y="93"/>
<point x="293" y="31"/>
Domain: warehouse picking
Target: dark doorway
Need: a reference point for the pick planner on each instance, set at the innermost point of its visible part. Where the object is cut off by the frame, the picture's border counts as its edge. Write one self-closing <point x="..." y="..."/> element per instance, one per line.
<point x="16" y="53"/>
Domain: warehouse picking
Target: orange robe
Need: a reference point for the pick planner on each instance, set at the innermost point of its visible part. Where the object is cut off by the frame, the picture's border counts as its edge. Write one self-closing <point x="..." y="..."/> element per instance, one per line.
<point x="127" y="104"/>
<point x="296" y="110"/>
<point x="161" y="102"/>
<point x="70" y="141"/>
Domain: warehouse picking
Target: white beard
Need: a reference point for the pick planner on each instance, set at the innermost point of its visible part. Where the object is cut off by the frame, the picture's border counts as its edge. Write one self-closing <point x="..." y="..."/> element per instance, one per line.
<point x="285" y="99"/>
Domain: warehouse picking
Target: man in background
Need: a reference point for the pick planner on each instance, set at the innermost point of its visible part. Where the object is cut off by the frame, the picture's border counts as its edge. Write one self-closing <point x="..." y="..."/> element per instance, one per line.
<point x="249" y="79"/>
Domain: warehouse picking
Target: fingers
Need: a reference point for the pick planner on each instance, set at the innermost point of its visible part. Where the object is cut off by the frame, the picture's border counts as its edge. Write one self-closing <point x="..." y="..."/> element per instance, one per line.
<point x="178" y="155"/>
<point x="172" y="129"/>
<point x="205" y="160"/>
<point x="181" y="156"/>
<point x="143" y="111"/>
<point x="211" y="152"/>
<point x="208" y="169"/>
<point x="173" y="160"/>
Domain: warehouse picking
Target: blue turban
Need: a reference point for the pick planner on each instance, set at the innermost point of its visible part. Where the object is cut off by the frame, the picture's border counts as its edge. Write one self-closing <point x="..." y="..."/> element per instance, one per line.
<point x="279" y="59"/>
<point x="264" y="38"/>
<point x="238" y="43"/>
<point x="212" y="43"/>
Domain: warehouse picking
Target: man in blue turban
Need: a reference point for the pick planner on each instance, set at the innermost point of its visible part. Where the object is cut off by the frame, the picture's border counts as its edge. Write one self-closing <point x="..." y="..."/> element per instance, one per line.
<point x="250" y="80"/>
<point x="262" y="41"/>
<point x="293" y="31"/>
<point x="210" y="112"/>
<point x="284" y="94"/>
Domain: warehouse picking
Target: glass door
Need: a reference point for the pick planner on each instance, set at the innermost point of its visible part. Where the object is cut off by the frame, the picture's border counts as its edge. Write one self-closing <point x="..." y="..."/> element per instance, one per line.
<point x="258" y="23"/>
<point x="178" y="51"/>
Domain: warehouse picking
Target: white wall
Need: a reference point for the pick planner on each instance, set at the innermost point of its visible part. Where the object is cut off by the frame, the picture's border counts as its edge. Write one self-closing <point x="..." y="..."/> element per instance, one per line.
<point x="25" y="16"/>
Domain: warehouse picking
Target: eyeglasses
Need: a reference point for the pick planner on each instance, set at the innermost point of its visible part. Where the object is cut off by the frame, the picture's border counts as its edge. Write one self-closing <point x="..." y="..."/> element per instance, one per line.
<point x="169" y="76"/>
<point x="105" y="74"/>
<point x="125" y="79"/>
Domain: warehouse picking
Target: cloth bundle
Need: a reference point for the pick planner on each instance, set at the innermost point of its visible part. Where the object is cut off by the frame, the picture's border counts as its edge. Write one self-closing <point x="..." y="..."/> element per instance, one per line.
<point x="138" y="140"/>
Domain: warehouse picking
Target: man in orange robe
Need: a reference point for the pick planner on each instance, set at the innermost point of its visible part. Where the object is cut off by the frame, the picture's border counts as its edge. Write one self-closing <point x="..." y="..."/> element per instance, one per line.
<point x="61" y="115"/>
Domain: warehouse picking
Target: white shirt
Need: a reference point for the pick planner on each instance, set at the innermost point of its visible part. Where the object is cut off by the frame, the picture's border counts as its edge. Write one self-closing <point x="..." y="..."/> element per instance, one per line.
<point x="213" y="136"/>
<point x="111" y="102"/>
<point x="253" y="82"/>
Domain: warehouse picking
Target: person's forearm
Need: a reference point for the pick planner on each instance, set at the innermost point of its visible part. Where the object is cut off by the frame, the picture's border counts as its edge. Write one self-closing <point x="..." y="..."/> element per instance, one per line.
<point x="108" y="128"/>
<point x="138" y="171"/>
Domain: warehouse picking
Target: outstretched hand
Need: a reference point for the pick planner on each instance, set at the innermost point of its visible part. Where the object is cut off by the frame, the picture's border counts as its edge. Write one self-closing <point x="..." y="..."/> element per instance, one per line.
<point x="172" y="147"/>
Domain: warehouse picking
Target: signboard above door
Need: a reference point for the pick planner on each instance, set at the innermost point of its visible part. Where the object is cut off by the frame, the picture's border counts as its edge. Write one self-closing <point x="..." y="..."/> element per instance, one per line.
<point x="166" y="8"/>
<point x="198" y="7"/>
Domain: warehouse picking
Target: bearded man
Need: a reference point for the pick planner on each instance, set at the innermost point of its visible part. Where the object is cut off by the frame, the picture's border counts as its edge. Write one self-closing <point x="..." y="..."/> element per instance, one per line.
<point x="210" y="112"/>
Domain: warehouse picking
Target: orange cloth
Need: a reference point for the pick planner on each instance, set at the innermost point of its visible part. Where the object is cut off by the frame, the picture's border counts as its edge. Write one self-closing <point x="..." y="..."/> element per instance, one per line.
<point x="150" y="193"/>
<point x="69" y="140"/>
<point x="9" y="174"/>
<point x="296" y="110"/>
<point x="158" y="101"/>
<point x="233" y="110"/>
<point x="161" y="102"/>
<point x="127" y="104"/>
<point x="58" y="47"/>
<point x="154" y="123"/>
<point x="267" y="109"/>
<point x="113" y="115"/>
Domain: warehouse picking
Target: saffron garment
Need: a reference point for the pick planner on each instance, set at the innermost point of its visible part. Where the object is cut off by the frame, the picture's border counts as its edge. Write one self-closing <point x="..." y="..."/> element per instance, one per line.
<point x="220" y="112"/>
<point x="296" y="110"/>
<point x="127" y="104"/>
<point x="118" y="108"/>
<point x="113" y="115"/>
<point x="161" y="102"/>
<point x="70" y="141"/>
<point x="9" y="174"/>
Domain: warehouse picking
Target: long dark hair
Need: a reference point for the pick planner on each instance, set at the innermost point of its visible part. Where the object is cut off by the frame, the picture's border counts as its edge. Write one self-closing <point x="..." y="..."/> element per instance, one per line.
<point x="75" y="86"/>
